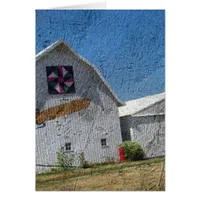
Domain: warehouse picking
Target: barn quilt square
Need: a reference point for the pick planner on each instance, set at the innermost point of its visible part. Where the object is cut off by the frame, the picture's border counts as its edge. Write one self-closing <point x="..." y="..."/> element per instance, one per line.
<point x="60" y="79"/>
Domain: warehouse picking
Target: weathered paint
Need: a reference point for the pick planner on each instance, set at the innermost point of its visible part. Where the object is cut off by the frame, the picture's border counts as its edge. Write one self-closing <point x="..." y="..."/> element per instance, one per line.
<point x="61" y="110"/>
<point x="83" y="129"/>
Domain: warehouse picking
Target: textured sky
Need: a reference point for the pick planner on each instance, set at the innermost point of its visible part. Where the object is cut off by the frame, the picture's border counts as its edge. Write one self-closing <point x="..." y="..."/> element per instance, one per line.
<point x="127" y="46"/>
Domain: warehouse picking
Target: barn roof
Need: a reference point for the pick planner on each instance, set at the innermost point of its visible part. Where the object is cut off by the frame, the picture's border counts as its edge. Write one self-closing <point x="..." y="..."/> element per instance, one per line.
<point x="134" y="106"/>
<point x="59" y="42"/>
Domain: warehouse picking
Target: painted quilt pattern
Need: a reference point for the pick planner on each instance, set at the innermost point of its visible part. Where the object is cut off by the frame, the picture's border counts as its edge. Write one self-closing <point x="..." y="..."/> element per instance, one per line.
<point x="60" y="79"/>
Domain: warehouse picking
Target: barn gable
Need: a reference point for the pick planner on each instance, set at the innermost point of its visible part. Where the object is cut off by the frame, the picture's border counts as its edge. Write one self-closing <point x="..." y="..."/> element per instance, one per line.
<point x="62" y="46"/>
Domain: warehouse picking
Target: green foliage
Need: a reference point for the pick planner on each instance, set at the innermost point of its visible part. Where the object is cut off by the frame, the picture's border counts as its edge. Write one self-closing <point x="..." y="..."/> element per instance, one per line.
<point x="86" y="164"/>
<point x="83" y="162"/>
<point x="132" y="150"/>
<point x="110" y="159"/>
<point x="82" y="159"/>
<point x="64" y="160"/>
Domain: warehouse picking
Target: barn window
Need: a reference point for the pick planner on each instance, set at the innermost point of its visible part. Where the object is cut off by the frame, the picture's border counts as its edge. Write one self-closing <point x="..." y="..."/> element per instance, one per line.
<point x="68" y="147"/>
<point x="60" y="79"/>
<point x="103" y="142"/>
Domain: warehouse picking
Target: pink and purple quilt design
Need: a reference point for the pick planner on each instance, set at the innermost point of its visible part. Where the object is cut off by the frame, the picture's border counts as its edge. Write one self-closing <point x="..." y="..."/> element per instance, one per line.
<point x="60" y="79"/>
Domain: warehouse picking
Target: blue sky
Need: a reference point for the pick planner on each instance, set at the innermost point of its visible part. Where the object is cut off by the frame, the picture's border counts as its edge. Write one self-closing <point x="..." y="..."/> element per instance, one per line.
<point x="127" y="46"/>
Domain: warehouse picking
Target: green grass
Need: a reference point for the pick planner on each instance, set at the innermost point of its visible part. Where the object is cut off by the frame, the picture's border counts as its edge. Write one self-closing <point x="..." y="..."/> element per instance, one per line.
<point x="131" y="176"/>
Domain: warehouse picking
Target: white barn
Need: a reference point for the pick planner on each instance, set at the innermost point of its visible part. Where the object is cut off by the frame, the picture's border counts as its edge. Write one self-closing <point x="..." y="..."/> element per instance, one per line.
<point x="76" y="109"/>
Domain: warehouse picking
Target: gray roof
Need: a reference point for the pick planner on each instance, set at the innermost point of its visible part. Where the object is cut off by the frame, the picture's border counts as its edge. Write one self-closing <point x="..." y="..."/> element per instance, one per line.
<point x="134" y="106"/>
<point x="55" y="44"/>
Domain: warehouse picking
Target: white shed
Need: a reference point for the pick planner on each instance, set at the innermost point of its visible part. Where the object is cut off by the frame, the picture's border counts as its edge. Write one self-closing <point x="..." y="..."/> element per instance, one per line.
<point x="143" y="120"/>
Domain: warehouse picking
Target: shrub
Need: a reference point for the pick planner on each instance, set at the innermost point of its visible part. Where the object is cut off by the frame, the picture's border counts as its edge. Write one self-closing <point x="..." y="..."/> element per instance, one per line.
<point x="64" y="160"/>
<point x="82" y="159"/>
<point x="132" y="150"/>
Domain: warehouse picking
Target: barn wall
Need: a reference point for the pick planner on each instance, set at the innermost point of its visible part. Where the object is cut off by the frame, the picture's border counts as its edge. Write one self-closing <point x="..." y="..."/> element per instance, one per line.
<point x="84" y="129"/>
<point x="148" y="131"/>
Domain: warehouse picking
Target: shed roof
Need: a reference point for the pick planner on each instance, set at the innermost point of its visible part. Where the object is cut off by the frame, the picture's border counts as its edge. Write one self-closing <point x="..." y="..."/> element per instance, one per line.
<point x="59" y="42"/>
<point x="134" y="106"/>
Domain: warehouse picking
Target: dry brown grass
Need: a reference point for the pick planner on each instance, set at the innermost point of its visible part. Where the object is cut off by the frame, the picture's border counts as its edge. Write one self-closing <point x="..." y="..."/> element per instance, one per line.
<point x="132" y="176"/>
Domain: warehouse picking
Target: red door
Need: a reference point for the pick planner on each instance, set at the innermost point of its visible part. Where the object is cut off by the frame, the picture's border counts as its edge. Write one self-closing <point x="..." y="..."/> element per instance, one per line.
<point x="121" y="154"/>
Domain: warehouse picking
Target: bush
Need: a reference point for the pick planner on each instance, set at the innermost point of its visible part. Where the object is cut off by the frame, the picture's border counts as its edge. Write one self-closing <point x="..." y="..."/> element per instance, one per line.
<point x="64" y="161"/>
<point x="132" y="150"/>
<point x="82" y="159"/>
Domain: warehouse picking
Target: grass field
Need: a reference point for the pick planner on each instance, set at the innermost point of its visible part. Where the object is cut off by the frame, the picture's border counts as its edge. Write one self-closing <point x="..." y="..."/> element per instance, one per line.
<point x="147" y="175"/>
